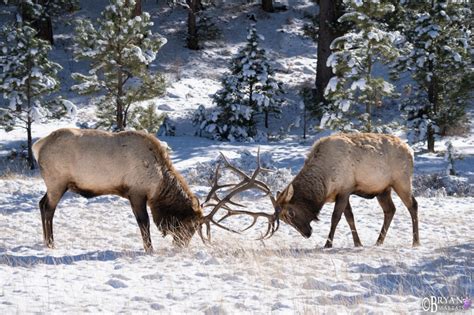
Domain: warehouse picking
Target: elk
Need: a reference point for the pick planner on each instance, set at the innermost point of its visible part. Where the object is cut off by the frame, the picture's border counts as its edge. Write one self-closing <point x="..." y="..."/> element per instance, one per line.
<point x="363" y="164"/>
<point x="135" y="166"/>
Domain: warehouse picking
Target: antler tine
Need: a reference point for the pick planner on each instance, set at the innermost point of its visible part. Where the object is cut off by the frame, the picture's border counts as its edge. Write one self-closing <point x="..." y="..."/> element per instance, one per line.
<point x="247" y="182"/>
<point x="215" y="186"/>
<point x="259" y="184"/>
<point x="273" y="224"/>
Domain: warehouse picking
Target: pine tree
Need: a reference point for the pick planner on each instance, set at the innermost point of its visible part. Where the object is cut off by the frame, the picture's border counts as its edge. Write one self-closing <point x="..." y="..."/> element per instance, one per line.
<point x="146" y="118"/>
<point x="120" y="50"/>
<point x="26" y="76"/>
<point x="232" y="120"/>
<point x="248" y="90"/>
<point x="440" y="61"/>
<point x="353" y="59"/>
<point x="256" y="77"/>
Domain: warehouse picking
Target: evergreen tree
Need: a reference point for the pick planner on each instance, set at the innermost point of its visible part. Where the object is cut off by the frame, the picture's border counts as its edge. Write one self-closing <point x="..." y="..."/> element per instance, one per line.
<point x="256" y="77"/>
<point x="233" y="119"/>
<point x="146" y="119"/>
<point x="120" y="50"/>
<point x="26" y="76"/>
<point x="353" y="59"/>
<point x="440" y="61"/>
<point x="248" y="90"/>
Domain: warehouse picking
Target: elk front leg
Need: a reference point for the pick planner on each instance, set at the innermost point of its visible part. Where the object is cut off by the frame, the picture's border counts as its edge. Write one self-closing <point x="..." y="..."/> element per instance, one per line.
<point x="350" y="219"/>
<point x="341" y="203"/>
<point x="139" y="210"/>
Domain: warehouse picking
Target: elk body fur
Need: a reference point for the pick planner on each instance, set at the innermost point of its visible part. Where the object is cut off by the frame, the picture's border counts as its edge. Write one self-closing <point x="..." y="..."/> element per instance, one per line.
<point x="364" y="164"/>
<point x="129" y="164"/>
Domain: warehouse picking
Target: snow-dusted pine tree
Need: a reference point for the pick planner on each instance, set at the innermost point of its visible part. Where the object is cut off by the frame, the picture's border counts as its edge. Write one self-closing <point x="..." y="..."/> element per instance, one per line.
<point x="233" y="119"/>
<point x="120" y="49"/>
<point x="249" y="89"/>
<point x="26" y="76"/>
<point x="354" y="56"/>
<point x="146" y="118"/>
<point x="441" y="64"/>
<point x="256" y="77"/>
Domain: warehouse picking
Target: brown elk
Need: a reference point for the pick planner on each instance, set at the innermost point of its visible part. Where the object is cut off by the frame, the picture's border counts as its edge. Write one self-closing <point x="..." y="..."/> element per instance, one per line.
<point x="135" y="166"/>
<point x="364" y="164"/>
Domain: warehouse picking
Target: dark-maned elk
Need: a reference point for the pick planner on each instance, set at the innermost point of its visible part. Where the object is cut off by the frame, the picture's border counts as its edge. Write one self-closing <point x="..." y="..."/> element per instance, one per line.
<point x="363" y="164"/>
<point x="135" y="166"/>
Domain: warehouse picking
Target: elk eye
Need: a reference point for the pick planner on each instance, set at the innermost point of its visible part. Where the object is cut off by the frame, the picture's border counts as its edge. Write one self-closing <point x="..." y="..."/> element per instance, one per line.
<point x="291" y="214"/>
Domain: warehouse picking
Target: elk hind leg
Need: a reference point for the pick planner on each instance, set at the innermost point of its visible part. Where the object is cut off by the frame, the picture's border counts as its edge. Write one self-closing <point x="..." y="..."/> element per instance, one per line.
<point x="341" y="203"/>
<point x="385" y="201"/>
<point x="47" y="207"/>
<point x="138" y="204"/>
<point x="410" y="202"/>
<point x="350" y="219"/>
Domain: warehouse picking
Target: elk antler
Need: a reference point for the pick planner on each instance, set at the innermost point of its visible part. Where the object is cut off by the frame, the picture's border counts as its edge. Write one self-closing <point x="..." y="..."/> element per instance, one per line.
<point x="247" y="183"/>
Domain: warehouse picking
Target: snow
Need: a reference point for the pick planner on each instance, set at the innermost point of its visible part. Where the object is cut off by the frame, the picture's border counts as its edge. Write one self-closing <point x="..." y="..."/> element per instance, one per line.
<point x="71" y="109"/>
<point x="99" y="264"/>
<point x="359" y="84"/>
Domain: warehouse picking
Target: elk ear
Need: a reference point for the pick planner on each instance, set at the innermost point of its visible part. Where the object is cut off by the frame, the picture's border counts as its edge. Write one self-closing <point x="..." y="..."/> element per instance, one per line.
<point x="288" y="193"/>
<point x="196" y="205"/>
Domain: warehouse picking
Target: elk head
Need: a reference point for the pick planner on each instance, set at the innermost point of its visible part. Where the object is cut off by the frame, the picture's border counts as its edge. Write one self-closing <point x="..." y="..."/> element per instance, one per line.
<point x="297" y="214"/>
<point x="247" y="183"/>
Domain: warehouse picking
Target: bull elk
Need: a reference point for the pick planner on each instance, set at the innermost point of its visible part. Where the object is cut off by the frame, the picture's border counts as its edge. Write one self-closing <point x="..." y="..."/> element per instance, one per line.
<point x="367" y="165"/>
<point x="135" y="166"/>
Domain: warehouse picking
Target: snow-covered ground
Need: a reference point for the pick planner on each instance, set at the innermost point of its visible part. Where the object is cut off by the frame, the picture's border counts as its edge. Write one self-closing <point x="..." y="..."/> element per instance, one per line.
<point x="99" y="264"/>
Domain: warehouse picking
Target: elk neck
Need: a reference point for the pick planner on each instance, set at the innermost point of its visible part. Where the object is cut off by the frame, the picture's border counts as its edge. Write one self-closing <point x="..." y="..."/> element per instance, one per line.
<point x="175" y="197"/>
<point x="310" y="190"/>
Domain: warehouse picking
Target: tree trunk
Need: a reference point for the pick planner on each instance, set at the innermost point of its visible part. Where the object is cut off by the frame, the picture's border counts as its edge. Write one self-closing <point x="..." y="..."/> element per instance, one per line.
<point x="267" y="6"/>
<point x="31" y="159"/>
<point x="44" y="27"/>
<point x="266" y="119"/>
<point x="192" y="39"/>
<point x="430" y="138"/>
<point x="119" y="105"/>
<point x="432" y="98"/>
<point x="329" y="12"/>
<point x="137" y="11"/>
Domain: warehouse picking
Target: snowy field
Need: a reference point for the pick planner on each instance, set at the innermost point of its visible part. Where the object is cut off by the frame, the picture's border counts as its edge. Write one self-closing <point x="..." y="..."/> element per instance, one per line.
<point x="99" y="264"/>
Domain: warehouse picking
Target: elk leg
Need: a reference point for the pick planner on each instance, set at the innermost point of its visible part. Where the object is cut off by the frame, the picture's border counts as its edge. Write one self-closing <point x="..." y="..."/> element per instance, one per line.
<point x="412" y="205"/>
<point x="385" y="201"/>
<point x="350" y="219"/>
<point x="47" y="207"/>
<point x="139" y="210"/>
<point x="341" y="202"/>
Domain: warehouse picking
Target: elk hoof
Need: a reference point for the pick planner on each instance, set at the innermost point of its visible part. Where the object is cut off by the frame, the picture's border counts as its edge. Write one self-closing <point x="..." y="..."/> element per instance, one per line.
<point x="378" y="243"/>
<point x="328" y="245"/>
<point x="358" y="244"/>
<point x="416" y="244"/>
